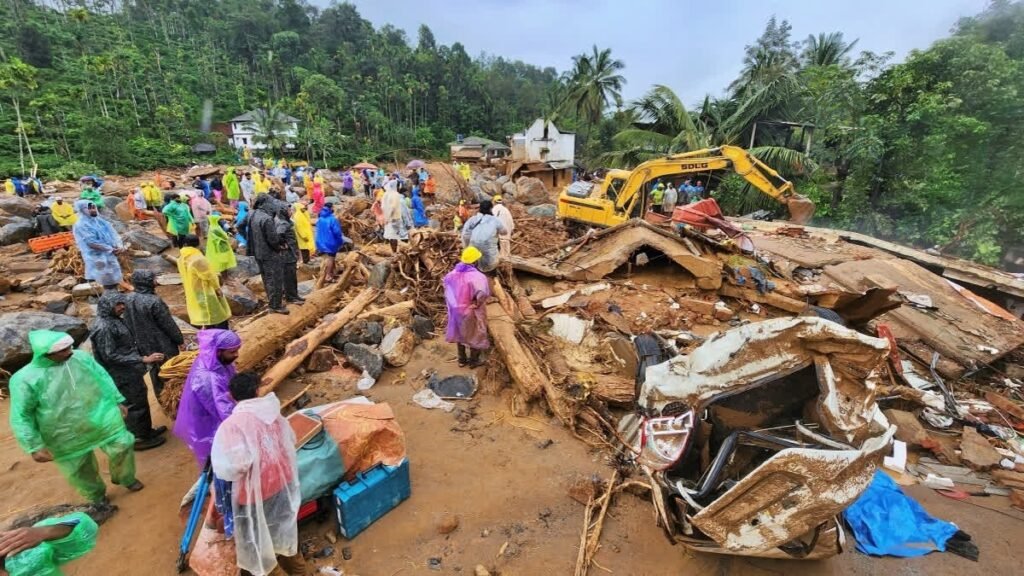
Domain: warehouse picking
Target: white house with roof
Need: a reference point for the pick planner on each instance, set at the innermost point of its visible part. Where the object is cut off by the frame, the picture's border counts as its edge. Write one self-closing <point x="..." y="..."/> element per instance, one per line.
<point x="544" y="142"/>
<point x="245" y="129"/>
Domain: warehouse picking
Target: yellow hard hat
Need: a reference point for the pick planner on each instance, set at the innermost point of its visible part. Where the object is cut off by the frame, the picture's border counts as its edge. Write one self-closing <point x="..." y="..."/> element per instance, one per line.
<point x="497" y="197"/>
<point x="470" y="255"/>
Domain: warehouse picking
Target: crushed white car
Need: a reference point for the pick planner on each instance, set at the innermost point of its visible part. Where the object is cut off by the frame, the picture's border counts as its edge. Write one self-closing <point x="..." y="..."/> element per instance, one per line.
<point x="758" y="439"/>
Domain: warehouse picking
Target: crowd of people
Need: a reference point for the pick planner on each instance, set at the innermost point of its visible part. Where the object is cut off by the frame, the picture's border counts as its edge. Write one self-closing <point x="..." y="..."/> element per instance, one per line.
<point x="66" y="403"/>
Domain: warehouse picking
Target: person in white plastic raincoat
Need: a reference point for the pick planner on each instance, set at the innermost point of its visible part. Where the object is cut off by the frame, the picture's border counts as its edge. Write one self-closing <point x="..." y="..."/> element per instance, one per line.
<point x="482" y="231"/>
<point x="254" y="450"/>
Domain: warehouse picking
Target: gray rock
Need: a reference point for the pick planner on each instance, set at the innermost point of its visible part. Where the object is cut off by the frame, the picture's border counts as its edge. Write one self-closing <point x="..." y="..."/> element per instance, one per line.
<point x="142" y="240"/>
<point x="67" y="283"/>
<point x="86" y="289"/>
<point x="15" y="351"/>
<point x="502" y="180"/>
<point x="531" y="191"/>
<point x="111" y="202"/>
<point x="19" y="230"/>
<point x="306" y="288"/>
<point x="379" y="274"/>
<point x="6" y="219"/>
<point x="241" y="299"/>
<point x="365" y="358"/>
<point x="118" y="226"/>
<point x="423" y="327"/>
<point x="17" y="206"/>
<point x="245" y="267"/>
<point x="543" y="211"/>
<point x="508" y="189"/>
<point x="154" y="264"/>
<point x="359" y="332"/>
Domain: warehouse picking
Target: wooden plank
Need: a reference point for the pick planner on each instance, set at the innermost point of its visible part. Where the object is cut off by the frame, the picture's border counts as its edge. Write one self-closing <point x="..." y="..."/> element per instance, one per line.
<point x="776" y="300"/>
<point x="1005" y="404"/>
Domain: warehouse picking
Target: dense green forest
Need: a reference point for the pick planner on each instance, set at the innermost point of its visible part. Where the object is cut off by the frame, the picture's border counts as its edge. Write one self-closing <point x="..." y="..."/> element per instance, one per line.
<point x="925" y="151"/>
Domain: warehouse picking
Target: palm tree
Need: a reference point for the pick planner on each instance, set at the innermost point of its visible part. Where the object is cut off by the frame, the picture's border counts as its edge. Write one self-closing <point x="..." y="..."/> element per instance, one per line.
<point x="270" y="125"/>
<point x="594" y="84"/>
<point x="827" y="50"/>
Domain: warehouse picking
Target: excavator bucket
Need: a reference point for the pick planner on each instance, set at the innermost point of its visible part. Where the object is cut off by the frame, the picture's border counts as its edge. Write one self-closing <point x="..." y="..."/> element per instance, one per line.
<point x="801" y="209"/>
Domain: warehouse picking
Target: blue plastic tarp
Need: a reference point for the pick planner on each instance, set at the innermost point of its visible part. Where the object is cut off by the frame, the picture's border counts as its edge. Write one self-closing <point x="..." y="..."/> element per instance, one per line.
<point x="887" y="522"/>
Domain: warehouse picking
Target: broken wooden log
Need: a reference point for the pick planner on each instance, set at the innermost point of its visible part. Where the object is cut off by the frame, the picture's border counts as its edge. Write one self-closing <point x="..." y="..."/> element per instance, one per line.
<point x="297" y="351"/>
<point x="775" y="300"/>
<point x="510" y="306"/>
<point x="268" y="334"/>
<point x="613" y="389"/>
<point x="403" y="311"/>
<point x="519" y="361"/>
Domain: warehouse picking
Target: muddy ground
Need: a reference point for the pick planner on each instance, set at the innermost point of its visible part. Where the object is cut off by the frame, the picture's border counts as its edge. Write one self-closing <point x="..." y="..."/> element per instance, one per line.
<point x="493" y="472"/>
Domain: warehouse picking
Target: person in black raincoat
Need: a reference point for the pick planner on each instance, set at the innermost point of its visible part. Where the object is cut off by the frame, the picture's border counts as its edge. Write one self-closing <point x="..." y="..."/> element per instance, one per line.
<point x="286" y="231"/>
<point x="152" y="324"/>
<point x="266" y="245"/>
<point x="115" y="349"/>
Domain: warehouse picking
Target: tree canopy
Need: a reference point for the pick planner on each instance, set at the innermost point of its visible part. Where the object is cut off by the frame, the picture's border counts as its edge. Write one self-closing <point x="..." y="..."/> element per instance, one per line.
<point x="924" y="151"/>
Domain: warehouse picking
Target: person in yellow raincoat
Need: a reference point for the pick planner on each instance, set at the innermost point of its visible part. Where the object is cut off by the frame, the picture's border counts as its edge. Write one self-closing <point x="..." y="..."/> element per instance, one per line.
<point x="63" y="212"/>
<point x="262" y="183"/>
<point x="9" y="188"/>
<point x="218" y="246"/>
<point x="465" y="172"/>
<point x="153" y="195"/>
<point x="303" y="230"/>
<point x="206" y="304"/>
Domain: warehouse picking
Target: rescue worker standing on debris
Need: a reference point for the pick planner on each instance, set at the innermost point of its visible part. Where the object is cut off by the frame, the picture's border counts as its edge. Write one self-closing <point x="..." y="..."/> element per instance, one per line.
<point x="254" y="450"/>
<point x="114" y="346"/>
<point x="482" y="231"/>
<point x="657" y="197"/>
<point x="248" y="187"/>
<point x="232" y="188"/>
<point x="218" y="246"/>
<point x="329" y="239"/>
<point x="99" y="245"/>
<point x="205" y="398"/>
<point x="396" y="215"/>
<point x="501" y="212"/>
<point x="206" y="304"/>
<point x="669" y="201"/>
<point x="64" y="405"/>
<point x="303" y="230"/>
<point x="466" y="291"/>
<point x="286" y="232"/>
<point x="265" y="244"/>
<point x="179" y="218"/>
<point x="152" y="324"/>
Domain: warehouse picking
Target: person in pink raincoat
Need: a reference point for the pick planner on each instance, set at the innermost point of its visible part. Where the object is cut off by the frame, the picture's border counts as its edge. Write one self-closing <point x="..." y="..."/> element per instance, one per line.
<point x="465" y="292"/>
<point x="205" y="399"/>
<point x="318" y="197"/>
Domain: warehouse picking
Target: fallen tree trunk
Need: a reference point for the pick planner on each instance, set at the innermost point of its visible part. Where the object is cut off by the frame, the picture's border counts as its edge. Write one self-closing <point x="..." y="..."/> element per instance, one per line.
<point x="297" y="350"/>
<point x="401" y="310"/>
<point x="268" y="334"/>
<point x="522" y="365"/>
<point x="613" y="389"/>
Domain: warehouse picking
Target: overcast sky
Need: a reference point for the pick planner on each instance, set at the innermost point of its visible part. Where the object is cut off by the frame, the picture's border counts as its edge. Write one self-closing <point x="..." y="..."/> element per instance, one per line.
<point x="693" y="47"/>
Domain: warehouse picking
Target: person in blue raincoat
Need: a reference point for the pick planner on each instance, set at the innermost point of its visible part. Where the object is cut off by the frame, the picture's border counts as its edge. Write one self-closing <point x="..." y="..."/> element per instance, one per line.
<point x="328" y="238"/>
<point x="99" y="244"/>
<point x="419" y="211"/>
<point x="242" y="224"/>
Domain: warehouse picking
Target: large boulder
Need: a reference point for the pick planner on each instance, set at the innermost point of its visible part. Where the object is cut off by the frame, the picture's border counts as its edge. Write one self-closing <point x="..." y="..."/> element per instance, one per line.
<point x="531" y="191"/>
<point x="17" y="206"/>
<point x="449" y="195"/>
<point x="359" y="332"/>
<point x="241" y="299"/>
<point x="366" y="358"/>
<point x="143" y="240"/>
<point x="111" y="203"/>
<point x="543" y="211"/>
<point x="379" y="274"/>
<point x="508" y="189"/>
<point x="245" y="267"/>
<point x="397" y="346"/>
<point x="423" y="327"/>
<point x="19" y="230"/>
<point x="15" y="351"/>
<point x="155" y="264"/>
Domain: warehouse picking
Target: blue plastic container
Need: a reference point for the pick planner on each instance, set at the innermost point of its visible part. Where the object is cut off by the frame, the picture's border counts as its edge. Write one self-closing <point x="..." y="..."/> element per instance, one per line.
<point x="369" y="496"/>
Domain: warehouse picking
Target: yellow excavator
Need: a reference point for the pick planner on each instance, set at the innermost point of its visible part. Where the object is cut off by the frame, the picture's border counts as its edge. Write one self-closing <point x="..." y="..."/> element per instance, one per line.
<point x="623" y="193"/>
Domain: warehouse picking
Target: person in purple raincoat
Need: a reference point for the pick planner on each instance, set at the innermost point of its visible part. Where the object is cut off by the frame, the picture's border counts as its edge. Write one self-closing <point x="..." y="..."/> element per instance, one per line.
<point x="206" y="400"/>
<point x="466" y="292"/>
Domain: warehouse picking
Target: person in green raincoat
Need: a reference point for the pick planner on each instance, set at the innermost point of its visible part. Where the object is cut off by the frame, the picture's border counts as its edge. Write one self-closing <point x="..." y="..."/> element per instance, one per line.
<point x="179" y="218"/>
<point x="218" y="246"/>
<point x="92" y="195"/>
<point x="232" y="187"/>
<point x="64" y="406"/>
<point x="39" y="550"/>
